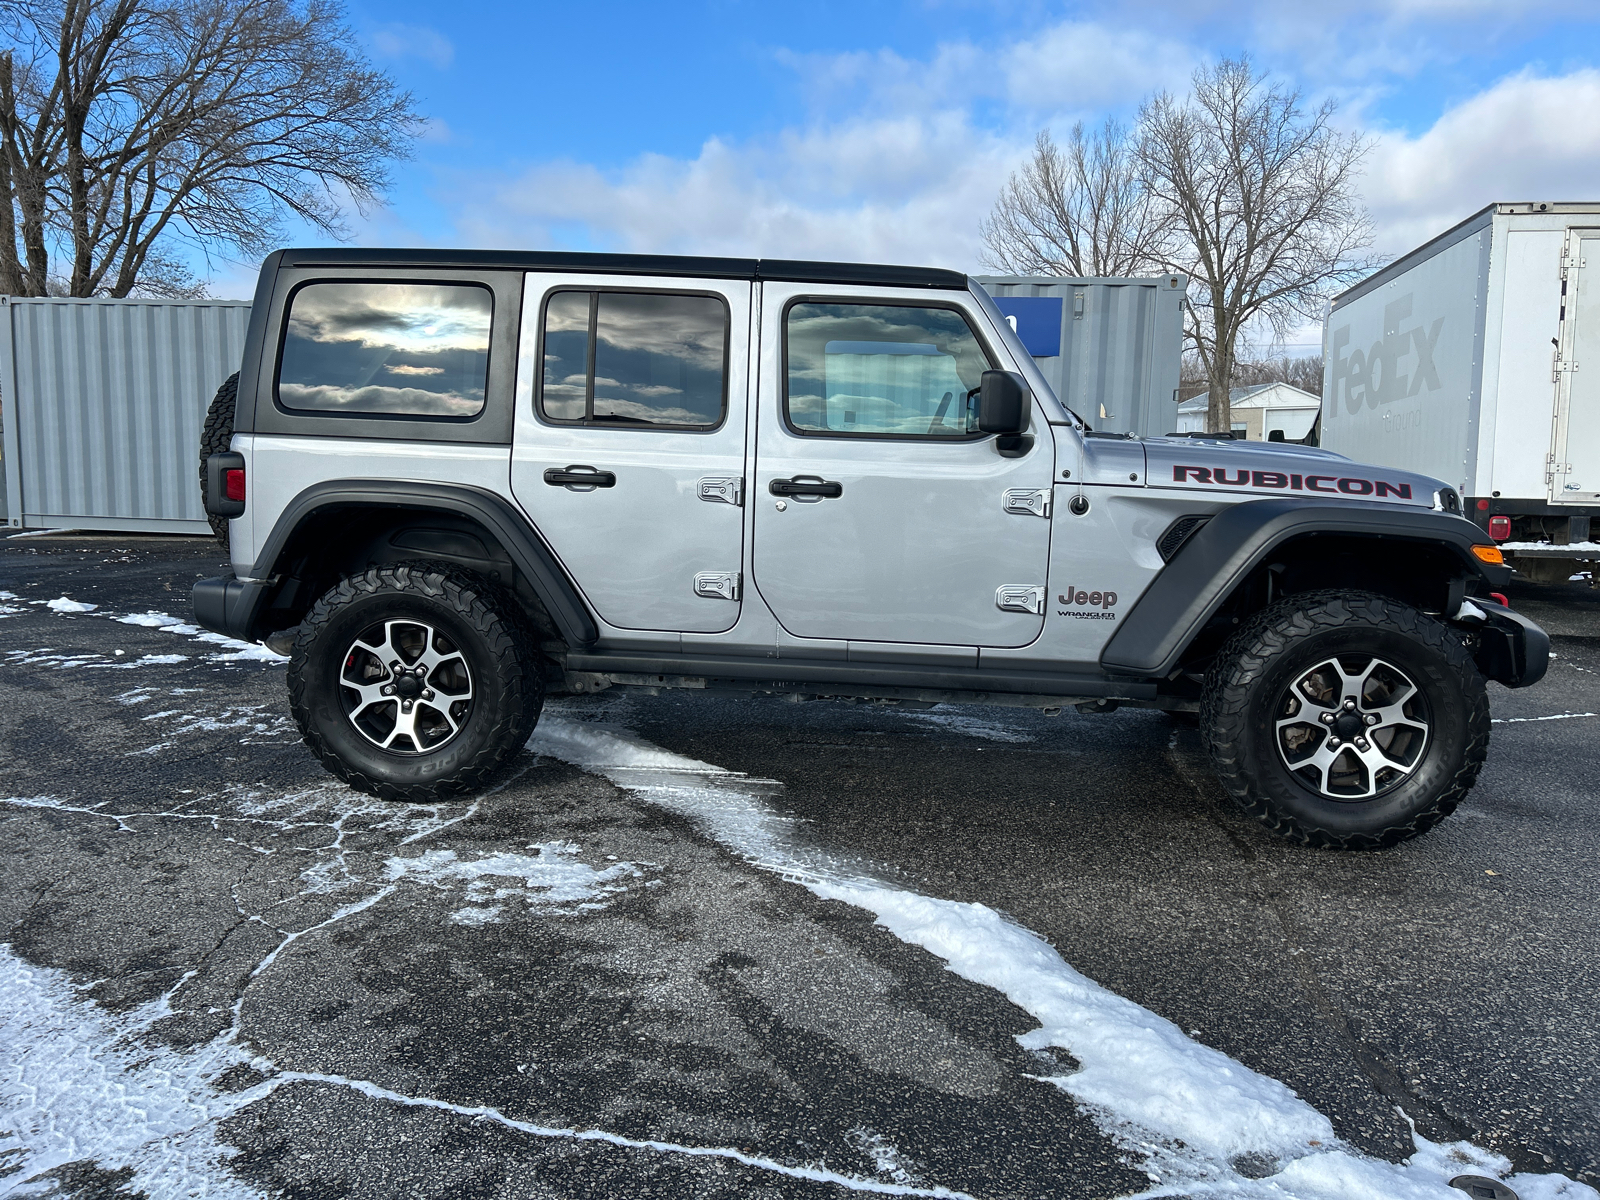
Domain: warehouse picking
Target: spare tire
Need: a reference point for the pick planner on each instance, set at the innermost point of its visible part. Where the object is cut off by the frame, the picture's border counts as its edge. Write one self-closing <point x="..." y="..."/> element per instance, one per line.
<point x="215" y="437"/>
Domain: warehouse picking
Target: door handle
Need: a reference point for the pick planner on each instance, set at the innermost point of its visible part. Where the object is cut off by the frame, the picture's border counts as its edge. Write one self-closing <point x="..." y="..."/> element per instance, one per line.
<point x="805" y="485"/>
<point x="577" y="476"/>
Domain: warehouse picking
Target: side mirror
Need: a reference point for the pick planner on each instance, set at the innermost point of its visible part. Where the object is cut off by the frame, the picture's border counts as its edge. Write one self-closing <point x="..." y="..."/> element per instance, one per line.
<point x="1003" y="399"/>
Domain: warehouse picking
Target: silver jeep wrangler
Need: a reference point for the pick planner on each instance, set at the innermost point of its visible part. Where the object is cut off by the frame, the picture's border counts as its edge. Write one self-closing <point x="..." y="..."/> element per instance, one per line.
<point x="466" y="480"/>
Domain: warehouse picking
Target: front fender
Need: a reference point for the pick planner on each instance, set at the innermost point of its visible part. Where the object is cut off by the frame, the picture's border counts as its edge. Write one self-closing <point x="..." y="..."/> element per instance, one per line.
<point x="1216" y="559"/>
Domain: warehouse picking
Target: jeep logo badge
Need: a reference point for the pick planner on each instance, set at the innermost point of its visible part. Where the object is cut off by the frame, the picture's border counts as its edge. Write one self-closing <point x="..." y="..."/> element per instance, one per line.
<point x="1076" y="602"/>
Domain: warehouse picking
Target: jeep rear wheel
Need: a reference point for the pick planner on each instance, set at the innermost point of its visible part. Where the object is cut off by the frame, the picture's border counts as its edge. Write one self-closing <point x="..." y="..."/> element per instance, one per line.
<point x="1346" y="720"/>
<point x="414" y="682"/>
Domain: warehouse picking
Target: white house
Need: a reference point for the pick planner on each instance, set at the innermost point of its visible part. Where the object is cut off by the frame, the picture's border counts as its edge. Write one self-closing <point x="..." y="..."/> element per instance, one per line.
<point x="1257" y="412"/>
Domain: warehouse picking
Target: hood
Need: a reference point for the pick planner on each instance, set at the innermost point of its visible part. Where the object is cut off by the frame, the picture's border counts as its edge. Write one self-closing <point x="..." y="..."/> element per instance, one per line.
<point x="1225" y="467"/>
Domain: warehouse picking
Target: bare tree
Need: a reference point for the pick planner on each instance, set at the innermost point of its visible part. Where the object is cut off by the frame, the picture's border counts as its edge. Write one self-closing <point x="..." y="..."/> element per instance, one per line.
<point x="1261" y="194"/>
<point x="1304" y="373"/>
<point x="1080" y="210"/>
<point x="135" y="132"/>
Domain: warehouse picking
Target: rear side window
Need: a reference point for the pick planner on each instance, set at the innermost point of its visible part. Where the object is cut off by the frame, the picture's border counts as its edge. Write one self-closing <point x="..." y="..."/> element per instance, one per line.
<point x="635" y="359"/>
<point x="879" y="370"/>
<point x="399" y="349"/>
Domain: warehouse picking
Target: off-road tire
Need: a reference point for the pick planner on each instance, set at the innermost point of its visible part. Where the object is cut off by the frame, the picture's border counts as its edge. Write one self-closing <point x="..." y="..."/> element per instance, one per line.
<point x="489" y="631"/>
<point x="1257" y="666"/>
<point x="215" y="437"/>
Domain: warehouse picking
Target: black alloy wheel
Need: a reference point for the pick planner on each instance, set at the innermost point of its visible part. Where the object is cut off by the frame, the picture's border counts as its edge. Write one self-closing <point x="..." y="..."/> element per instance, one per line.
<point x="1345" y="719"/>
<point x="415" y="681"/>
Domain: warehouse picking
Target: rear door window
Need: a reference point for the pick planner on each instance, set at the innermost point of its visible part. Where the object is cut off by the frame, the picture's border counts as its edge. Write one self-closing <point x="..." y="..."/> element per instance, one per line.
<point x="395" y="349"/>
<point x="635" y="359"/>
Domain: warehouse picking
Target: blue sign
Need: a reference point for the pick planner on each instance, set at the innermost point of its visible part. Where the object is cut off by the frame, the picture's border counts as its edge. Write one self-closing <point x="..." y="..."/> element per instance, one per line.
<point x="1037" y="320"/>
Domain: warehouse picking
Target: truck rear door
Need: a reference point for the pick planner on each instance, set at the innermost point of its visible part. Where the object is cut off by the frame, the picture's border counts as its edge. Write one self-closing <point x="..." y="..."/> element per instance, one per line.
<point x="1574" y="464"/>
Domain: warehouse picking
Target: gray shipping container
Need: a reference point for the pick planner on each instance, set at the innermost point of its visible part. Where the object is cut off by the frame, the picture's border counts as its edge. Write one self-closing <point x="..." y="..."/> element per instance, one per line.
<point x="1461" y="360"/>
<point x="102" y="403"/>
<point x="1111" y="348"/>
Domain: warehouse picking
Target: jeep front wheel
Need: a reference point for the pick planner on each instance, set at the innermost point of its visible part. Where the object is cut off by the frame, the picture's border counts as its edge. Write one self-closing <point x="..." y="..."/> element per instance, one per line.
<point x="413" y="683"/>
<point x="1346" y="720"/>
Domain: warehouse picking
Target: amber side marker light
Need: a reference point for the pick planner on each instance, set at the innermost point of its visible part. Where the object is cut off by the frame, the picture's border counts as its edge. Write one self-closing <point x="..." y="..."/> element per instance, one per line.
<point x="1489" y="554"/>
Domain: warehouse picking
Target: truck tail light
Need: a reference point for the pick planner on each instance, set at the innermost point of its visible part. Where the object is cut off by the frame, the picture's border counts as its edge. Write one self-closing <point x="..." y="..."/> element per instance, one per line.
<point x="233" y="483"/>
<point x="1499" y="527"/>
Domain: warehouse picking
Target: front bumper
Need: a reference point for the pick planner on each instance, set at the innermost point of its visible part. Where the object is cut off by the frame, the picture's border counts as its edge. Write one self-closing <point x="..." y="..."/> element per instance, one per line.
<point x="1511" y="649"/>
<point x="229" y="606"/>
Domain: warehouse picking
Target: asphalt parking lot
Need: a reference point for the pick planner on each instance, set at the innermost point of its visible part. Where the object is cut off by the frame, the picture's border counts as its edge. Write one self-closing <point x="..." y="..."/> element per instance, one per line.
<point x="695" y="946"/>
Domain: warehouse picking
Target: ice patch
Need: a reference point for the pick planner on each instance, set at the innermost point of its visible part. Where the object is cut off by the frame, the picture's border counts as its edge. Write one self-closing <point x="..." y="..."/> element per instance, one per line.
<point x="968" y="726"/>
<point x="554" y="882"/>
<point x="1554" y="717"/>
<point x="44" y="656"/>
<point x="885" y="1156"/>
<point x="259" y="726"/>
<point x="1185" y="1109"/>
<point x="79" y="1084"/>
<point x="63" y="605"/>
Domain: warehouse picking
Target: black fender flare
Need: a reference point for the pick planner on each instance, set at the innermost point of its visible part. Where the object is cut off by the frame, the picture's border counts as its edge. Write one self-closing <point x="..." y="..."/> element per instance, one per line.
<point x="1217" y="558"/>
<point x="494" y="512"/>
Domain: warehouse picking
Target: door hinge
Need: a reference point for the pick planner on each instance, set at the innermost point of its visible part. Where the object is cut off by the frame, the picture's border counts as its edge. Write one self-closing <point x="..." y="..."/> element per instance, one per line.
<point x="1027" y="500"/>
<point x="1019" y="597"/>
<point x="718" y="585"/>
<point x="722" y="489"/>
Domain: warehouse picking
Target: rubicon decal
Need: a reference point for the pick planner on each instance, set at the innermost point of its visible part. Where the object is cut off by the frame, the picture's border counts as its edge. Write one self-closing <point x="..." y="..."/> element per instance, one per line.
<point x="1333" y="485"/>
<point x="1086" y="605"/>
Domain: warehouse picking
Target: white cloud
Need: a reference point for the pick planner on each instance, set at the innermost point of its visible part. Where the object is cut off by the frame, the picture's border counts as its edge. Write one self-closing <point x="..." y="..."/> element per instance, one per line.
<point x="904" y="188"/>
<point x="1078" y="66"/>
<point x="906" y="176"/>
<point x="414" y="41"/>
<point x="1071" y="68"/>
<point x="1528" y="137"/>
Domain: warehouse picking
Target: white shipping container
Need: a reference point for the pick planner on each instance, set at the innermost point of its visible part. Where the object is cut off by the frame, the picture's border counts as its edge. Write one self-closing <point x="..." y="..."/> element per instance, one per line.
<point x="1460" y="360"/>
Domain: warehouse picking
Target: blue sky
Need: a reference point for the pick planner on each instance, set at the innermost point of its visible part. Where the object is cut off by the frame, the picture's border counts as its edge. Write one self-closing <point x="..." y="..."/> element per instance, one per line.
<point x="883" y="130"/>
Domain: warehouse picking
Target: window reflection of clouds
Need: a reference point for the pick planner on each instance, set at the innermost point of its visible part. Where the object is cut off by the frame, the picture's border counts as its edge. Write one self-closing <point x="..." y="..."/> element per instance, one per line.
<point x="926" y="352"/>
<point x="393" y="348"/>
<point x="565" y="394"/>
<point x="658" y="359"/>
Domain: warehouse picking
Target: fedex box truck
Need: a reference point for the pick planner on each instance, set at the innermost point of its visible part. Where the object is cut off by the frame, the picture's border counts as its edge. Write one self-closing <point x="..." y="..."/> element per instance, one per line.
<point x="1476" y="359"/>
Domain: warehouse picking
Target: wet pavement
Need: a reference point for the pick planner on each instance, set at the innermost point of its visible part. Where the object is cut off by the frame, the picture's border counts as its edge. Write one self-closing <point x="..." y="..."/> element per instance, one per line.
<point x="619" y="974"/>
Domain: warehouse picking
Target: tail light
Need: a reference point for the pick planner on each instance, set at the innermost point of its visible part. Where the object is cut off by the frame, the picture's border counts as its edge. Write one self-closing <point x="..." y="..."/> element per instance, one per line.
<point x="1499" y="527"/>
<point x="233" y="484"/>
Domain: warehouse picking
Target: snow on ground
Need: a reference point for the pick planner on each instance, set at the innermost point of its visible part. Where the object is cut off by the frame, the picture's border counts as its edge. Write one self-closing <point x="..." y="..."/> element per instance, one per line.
<point x="969" y="726"/>
<point x="1549" y="546"/>
<point x="63" y="605"/>
<point x="82" y="1084"/>
<point x="1190" y="1112"/>
<point x="79" y="1082"/>
<point x="237" y="651"/>
<point x="555" y="881"/>
<point x="1553" y="717"/>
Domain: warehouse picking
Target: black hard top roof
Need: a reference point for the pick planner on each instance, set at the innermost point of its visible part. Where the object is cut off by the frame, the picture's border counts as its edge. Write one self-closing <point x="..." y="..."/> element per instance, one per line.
<point x="630" y="264"/>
